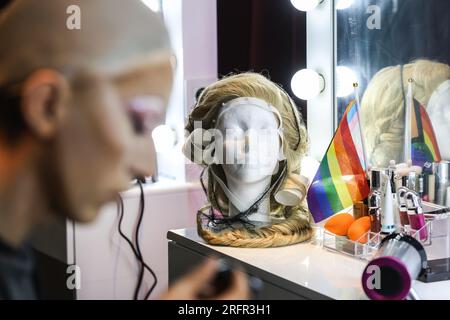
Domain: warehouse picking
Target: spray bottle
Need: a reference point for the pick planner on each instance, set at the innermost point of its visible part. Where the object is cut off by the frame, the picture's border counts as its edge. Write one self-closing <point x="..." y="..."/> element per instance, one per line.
<point x="387" y="216"/>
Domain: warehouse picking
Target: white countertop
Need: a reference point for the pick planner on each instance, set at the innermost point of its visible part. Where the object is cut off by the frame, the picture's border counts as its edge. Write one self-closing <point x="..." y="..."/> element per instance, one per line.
<point x="328" y="273"/>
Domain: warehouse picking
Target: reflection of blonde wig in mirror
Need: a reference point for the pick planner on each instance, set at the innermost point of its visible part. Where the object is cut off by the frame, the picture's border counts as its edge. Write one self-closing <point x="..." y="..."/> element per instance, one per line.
<point x="294" y="225"/>
<point x="382" y="106"/>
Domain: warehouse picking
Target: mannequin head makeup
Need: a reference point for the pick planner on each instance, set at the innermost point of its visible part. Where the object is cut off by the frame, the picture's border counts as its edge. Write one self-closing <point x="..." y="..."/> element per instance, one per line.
<point x="257" y="144"/>
<point x="382" y="108"/>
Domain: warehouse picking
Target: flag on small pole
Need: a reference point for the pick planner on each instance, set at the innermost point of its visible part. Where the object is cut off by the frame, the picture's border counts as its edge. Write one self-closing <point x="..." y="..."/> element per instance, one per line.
<point x="341" y="178"/>
<point x="420" y="140"/>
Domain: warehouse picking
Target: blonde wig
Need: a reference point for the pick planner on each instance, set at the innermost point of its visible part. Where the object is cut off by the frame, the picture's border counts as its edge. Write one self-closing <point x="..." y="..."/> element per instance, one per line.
<point x="382" y="106"/>
<point x="293" y="225"/>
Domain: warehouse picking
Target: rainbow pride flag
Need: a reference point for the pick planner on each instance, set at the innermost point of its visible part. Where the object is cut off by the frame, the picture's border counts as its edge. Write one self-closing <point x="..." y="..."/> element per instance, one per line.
<point x="424" y="147"/>
<point x="341" y="178"/>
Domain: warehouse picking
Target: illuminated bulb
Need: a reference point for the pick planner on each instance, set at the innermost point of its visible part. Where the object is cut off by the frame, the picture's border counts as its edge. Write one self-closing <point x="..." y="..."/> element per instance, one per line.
<point x="307" y="84"/>
<point x="305" y="5"/>
<point x="344" y="4"/>
<point x="164" y="138"/>
<point x="345" y="78"/>
<point x="155" y="5"/>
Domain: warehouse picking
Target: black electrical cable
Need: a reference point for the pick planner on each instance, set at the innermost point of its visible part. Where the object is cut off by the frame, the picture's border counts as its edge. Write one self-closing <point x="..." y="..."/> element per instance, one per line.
<point x="121" y="214"/>
<point x="144" y="265"/>
<point x="136" y="250"/>
<point x="137" y="255"/>
<point x="136" y="241"/>
<point x="242" y="216"/>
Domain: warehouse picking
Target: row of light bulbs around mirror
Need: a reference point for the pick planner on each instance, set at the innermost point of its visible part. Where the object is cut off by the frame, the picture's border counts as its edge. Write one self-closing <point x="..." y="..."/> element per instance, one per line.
<point x="307" y="5"/>
<point x="302" y="5"/>
<point x="307" y="84"/>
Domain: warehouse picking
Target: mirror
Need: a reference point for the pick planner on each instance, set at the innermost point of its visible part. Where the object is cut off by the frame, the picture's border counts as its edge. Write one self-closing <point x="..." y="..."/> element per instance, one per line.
<point x="381" y="44"/>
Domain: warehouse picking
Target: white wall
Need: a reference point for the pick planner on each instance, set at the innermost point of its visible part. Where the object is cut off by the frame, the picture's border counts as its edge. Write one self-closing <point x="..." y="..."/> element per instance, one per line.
<point x="192" y="26"/>
<point x="108" y="267"/>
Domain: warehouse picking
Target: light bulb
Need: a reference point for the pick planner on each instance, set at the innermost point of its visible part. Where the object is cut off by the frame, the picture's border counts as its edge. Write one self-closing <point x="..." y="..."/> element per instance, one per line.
<point x="305" y="5"/>
<point x="344" y="4"/>
<point x="345" y="78"/>
<point x="155" y="5"/>
<point x="307" y="84"/>
<point x="164" y="138"/>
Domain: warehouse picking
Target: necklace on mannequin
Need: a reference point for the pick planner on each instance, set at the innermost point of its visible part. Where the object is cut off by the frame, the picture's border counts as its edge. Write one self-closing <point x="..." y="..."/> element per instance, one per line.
<point x="241" y="219"/>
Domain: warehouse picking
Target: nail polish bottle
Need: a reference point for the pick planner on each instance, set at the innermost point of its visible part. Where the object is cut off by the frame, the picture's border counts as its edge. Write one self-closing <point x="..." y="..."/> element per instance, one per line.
<point x="415" y="214"/>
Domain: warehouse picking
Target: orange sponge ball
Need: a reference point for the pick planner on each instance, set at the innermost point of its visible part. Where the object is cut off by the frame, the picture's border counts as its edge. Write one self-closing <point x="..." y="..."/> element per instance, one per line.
<point x="358" y="228"/>
<point x="339" y="224"/>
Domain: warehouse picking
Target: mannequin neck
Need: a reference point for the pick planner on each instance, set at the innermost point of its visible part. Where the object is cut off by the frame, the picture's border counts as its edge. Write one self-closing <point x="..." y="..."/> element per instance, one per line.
<point x="248" y="194"/>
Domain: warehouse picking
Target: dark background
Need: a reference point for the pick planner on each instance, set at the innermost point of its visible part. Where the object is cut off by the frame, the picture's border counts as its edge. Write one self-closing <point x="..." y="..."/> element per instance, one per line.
<point x="4" y="3"/>
<point x="265" y="36"/>
<point x="417" y="29"/>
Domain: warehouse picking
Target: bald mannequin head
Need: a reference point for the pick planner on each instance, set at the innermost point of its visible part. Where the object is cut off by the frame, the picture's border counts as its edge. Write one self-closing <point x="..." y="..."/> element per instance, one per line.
<point x="79" y="106"/>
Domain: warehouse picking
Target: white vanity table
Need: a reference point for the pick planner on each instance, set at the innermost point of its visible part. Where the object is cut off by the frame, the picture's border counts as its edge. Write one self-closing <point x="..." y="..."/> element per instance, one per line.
<point x="302" y="271"/>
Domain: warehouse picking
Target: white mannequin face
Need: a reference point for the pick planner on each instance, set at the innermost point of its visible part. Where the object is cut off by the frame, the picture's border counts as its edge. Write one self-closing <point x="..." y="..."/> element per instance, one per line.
<point x="251" y="143"/>
<point x="439" y="113"/>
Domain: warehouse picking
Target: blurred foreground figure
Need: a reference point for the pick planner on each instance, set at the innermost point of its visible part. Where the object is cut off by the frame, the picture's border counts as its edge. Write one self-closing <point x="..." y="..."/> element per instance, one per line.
<point x="77" y="108"/>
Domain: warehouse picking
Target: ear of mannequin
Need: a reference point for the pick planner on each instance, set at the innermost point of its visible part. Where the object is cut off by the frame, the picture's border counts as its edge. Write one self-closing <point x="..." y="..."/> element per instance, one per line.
<point x="251" y="147"/>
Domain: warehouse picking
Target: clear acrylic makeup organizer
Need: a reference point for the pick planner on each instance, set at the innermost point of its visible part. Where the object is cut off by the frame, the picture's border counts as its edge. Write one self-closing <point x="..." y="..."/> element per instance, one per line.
<point x="436" y="243"/>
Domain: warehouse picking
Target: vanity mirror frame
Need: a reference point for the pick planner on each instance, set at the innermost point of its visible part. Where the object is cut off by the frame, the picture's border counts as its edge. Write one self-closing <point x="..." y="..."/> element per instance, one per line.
<point x="322" y="57"/>
<point x="321" y="51"/>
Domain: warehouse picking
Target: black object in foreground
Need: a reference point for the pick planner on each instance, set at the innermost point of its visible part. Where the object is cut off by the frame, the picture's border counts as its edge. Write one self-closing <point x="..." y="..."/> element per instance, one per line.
<point x="222" y="281"/>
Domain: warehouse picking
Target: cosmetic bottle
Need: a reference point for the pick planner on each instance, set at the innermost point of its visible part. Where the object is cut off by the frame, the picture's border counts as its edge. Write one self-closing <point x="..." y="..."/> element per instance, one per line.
<point x="415" y="214"/>
<point x="413" y="180"/>
<point x="402" y="208"/>
<point x="442" y="181"/>
<point x="387" y="212"/>
<point x="360" y="210"/>
<point x="375" y="211"/>
<point x="391" y="174"/>
<point x="404" y="181"/>
<point x="431" y="188"/>
<point x="421" y="188"/>
<point x="374" y="201"/>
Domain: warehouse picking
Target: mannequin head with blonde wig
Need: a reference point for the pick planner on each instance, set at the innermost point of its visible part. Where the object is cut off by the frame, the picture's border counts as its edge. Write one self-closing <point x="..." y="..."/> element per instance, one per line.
<point x="382" y="106"/>
<point x="290" y="222"/>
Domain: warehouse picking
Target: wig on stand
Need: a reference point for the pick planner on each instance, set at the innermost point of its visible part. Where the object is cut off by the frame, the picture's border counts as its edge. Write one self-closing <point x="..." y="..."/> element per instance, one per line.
<point x="289" y="214"/>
